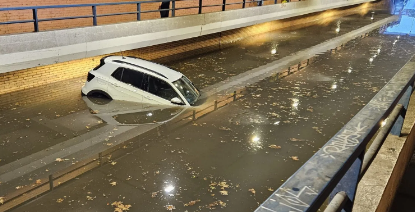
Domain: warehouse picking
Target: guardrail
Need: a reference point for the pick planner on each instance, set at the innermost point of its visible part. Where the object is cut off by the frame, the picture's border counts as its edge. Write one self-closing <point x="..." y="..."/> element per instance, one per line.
<point x="335" y="170"/>
<point x="36" y="20"/>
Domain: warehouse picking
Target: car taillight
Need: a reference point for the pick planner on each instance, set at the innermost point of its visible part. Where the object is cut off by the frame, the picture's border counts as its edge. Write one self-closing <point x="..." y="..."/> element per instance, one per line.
<point x="90" y="77"/>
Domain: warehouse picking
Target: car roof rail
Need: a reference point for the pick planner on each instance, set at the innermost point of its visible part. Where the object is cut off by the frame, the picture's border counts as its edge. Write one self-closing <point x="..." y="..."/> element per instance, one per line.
<point x="124" y="62"/>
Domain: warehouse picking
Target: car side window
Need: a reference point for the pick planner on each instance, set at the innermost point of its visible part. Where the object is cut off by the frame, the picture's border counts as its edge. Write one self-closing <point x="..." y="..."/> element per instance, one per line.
<point x="128" y="76"/>
<point x="117" y="74"/>
<point x="160" y="88"/>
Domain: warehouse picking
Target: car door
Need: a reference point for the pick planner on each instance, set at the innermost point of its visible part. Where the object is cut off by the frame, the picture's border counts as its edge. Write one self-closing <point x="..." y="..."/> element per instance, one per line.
<point x="159" y="91"/>
<point x="128" y="84"/>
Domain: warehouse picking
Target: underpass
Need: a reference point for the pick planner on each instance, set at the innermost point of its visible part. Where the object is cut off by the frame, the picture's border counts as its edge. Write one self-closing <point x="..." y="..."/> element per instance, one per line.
<point x="235" y="144"/>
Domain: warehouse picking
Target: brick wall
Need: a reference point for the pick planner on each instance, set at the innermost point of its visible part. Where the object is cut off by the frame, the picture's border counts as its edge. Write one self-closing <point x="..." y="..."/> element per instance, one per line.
<point x="42" y="75"/>
<point x="84" y="11"/>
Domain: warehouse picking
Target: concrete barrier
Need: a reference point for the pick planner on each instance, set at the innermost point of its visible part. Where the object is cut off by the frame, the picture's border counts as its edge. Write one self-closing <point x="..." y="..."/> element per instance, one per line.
<point x="29" y="50"/>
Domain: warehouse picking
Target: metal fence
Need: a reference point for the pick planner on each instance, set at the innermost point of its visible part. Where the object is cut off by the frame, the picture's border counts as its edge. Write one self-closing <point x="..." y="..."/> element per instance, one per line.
<point x="335" y="170"/>
<point x="94" y="16"/>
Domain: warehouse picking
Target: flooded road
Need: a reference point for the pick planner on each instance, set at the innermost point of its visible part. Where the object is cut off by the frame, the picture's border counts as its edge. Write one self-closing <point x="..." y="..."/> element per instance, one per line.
<point x="232" y="158"/>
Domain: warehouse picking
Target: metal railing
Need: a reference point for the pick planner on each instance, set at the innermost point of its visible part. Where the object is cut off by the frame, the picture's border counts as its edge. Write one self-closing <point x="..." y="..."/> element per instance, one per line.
<point x="336" y="169"/>
<point x="94" y="15"/>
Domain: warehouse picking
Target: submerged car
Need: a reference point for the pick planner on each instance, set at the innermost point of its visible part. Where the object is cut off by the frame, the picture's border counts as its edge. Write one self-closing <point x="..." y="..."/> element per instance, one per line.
<point x="137" y="80"/>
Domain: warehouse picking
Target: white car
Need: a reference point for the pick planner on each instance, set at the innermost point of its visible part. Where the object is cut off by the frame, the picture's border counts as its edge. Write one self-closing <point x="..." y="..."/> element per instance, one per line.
<point x="133" y="79"/>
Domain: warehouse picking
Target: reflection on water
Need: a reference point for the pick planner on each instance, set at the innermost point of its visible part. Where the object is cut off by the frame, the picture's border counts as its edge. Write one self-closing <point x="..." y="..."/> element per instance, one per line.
<point x="131" y="113"/>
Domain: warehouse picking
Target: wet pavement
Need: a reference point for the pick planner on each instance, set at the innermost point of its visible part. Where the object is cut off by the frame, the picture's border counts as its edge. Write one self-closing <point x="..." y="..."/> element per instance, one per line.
<point x="207" y="69"/>
<point x="232" y="158"/>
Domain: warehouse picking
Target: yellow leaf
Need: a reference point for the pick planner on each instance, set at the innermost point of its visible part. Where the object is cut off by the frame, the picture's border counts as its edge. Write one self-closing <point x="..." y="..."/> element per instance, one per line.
<point x="273" y="146"/>
<point x="224" y="193"/>
<point x="223" y="185"/>
<point x="60" y="200"/>
<point x="113" y="183"/>
<point x="38" y="181"/>
<point x="294" y="157"/>
<point x="2" y="200"/>
<point x="113" y="163"/>
<point x="252" y="190"/>
<point x="170" y="207"/>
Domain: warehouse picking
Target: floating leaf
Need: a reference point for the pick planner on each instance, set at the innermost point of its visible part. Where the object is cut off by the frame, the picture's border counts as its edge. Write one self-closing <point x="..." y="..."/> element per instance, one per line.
<point x="170" y="207"/>
<point x="294" y="157"/>
<point x="60" y="200"/>
<point x="113" y="163"/>
<point x="252" y="191"/>
<point x="224" y="193"/>
<point x="113" y="183"/>
<point x="38" y="181"/>
<point x="191" y="203"/>
<point x="58" y="159"/>
<point x="273" y="146"/>
<point x="2" y="200"/>
<point x="223" y="185"/>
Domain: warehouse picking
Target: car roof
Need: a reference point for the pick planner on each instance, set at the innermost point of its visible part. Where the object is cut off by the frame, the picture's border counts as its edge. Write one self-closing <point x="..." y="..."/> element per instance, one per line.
<point x="151" y="68"/>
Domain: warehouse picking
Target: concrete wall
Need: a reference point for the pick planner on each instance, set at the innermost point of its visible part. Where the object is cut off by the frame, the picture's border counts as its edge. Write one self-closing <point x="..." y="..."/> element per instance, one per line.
<point x="37" y="49"/>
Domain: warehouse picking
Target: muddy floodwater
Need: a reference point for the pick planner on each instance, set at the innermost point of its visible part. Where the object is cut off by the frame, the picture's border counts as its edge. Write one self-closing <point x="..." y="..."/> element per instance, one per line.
<point x="231" y="159"/>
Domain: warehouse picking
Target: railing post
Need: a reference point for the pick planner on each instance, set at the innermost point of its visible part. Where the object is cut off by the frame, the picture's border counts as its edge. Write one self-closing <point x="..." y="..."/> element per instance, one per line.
<point x="50" y="182"/>
<point x="194" y="115"/>
<point x="397" y="127"/>
<point x="224" y="5"/>
<point x="200" y="6"/>
<point x="261" y="2"/>
<point x="94" y="13"/>
<point x="36" y="20"/>
<point x="173" y="8"/>
<point x="275" y="2"/>
<point x="299" y="66"/>
<point x="289" y="70"/>
<point x="234" y="96"/>
<point x="349" y="181"/>
<point x="216" y="105"/>
<point x="139" y="11"/>
<point x="243" y="3"/>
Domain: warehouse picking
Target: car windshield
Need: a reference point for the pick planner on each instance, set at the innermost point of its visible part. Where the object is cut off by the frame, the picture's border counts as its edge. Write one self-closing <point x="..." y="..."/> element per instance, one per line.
<point x="187" y="89"/>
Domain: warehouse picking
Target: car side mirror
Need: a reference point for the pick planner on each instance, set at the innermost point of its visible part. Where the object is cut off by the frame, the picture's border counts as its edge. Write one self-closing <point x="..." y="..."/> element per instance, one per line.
<point x="176" y="100"/>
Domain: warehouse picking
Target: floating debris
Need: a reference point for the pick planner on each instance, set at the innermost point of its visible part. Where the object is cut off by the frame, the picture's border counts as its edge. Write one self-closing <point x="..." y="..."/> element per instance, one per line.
<point x="113" y="183"/>
<point x="224" y="193"/>
<point x="170" y="207"/>
<point x="192" y="203"/>
<point x="252" y="191"/>
<point x="60" y="200"/>
<point x="273" y="146"/>
<point x="294" y="157"/>
<point x="120" y="207"/>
